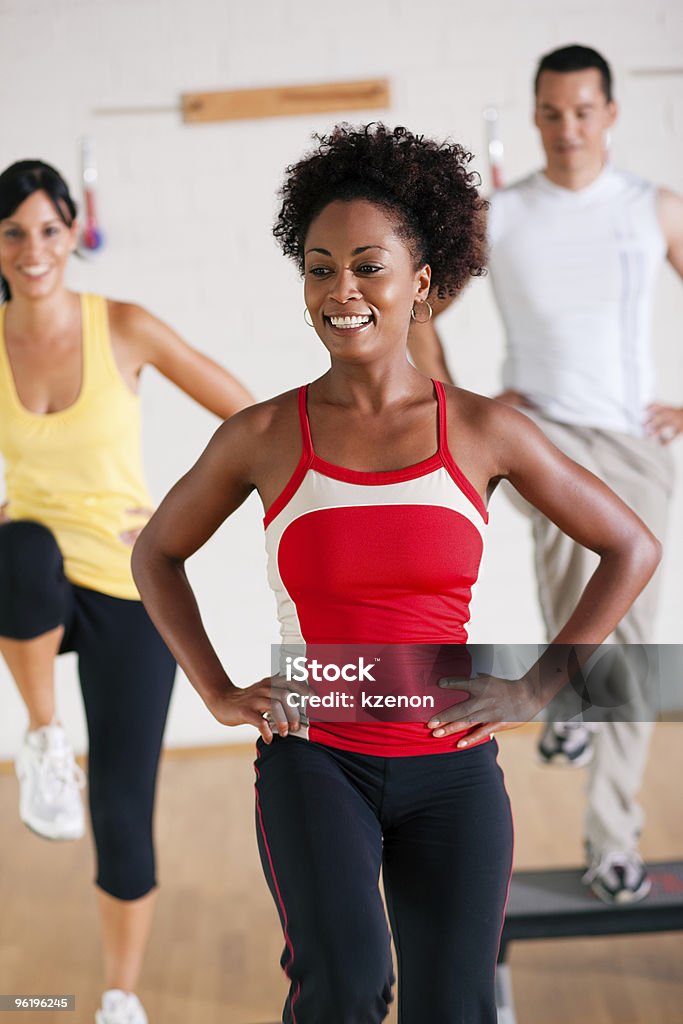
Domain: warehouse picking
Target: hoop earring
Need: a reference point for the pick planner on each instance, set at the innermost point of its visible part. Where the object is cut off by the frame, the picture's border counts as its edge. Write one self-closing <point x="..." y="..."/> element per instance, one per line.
<point x="309" y="322"/>
<point x="423" y="302"/>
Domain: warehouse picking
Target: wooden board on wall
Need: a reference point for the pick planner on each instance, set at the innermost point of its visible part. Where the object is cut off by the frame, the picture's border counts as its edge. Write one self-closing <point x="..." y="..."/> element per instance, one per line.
<point x="285" y="101"/>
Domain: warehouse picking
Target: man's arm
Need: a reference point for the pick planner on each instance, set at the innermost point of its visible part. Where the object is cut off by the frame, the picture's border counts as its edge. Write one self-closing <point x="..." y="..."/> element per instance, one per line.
<point x="665" y="422"/>
<point x="670" y="215"/>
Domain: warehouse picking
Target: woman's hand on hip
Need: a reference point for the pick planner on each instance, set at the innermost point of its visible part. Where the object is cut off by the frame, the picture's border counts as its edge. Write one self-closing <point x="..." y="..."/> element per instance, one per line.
<point x="266" y="704"/>
<point x="664" y="422"/>
<point x="491" y="705"/>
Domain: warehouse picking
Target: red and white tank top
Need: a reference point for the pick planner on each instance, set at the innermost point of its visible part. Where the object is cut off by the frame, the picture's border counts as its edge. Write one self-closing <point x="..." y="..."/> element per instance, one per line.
<point x="385" y="557"/>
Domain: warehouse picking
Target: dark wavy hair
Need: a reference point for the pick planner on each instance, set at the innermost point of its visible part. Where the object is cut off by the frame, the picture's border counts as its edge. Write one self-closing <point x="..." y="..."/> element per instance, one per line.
<point x="426" y="185"/>
<point x="21" y="180"/>
<point x="576" y="58"/>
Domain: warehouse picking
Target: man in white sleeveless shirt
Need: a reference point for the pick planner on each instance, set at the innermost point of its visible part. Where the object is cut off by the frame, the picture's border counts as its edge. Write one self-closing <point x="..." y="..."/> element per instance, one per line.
<point x="575" y="249"/>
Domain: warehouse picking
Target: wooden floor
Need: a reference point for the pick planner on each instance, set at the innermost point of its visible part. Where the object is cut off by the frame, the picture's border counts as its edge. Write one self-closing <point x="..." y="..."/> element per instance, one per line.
<point x="216" y="942"/>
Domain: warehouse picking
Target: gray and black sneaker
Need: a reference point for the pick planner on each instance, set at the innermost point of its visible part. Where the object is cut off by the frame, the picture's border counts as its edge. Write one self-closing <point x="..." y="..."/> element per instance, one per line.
<point x="569" y="744"/>
<point x="617" y="877"/>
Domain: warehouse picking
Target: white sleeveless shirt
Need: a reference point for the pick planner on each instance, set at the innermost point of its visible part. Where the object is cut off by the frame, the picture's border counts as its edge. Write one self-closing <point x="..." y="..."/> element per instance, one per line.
<point x="573" y="274"/>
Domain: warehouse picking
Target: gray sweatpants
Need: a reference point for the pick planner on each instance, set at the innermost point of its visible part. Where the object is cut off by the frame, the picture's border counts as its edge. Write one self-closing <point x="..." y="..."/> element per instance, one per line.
<point x="640" y="471"/>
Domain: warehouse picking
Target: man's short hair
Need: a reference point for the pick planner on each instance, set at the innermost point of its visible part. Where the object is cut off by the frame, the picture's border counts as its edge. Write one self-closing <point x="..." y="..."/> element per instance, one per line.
<point x="576" y="58"/>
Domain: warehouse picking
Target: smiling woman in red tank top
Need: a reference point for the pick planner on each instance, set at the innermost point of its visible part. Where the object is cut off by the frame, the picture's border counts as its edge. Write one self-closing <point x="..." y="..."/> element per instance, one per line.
<point x="375" y="482"/>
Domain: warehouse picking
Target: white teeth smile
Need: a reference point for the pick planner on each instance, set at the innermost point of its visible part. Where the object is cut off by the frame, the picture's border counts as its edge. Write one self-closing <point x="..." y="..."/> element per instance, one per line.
<point x="350" y="321"/>
<point x="37" y="270"/>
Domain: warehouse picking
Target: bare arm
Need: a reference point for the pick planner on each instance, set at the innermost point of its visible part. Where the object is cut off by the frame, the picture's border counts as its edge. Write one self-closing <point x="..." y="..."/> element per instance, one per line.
<point x="665" y="422"/>
<point x="670" y="215"/>
<point x="145" y="340"/>
<point x="192" y="511"/>
<point x="591" y="514"/>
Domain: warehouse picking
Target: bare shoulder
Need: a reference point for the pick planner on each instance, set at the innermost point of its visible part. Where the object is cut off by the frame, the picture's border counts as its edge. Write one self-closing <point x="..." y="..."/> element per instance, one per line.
<point x="467" y="405"/>
<point x="262" y="427"/>
<point x="260" y="444"/>
<point x="667" y="199"/>
<point x="484" y="417"/>
<point x="128" y="318"/>
<point x="500" y="434"/>
<point x="670" y="213"/>
<point x="136" y="333"/>
<point x="265" y="420"/>
<point x="143" y="339"/>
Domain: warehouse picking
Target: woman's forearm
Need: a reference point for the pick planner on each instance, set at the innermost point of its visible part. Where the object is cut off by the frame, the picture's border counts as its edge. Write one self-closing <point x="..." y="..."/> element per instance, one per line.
<point x="610" y="592"/>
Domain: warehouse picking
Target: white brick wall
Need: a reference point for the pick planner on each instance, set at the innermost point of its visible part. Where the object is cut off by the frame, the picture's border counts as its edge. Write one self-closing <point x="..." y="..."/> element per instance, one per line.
<point x="187" y="212"/>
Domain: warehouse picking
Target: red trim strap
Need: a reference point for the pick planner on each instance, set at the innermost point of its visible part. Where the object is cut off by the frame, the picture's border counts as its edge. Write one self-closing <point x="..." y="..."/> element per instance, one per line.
<point x="285" y="921"/>
<point x="306" y="440"/>
<point x="449" y="462"/>
<point x="294" y="482"/>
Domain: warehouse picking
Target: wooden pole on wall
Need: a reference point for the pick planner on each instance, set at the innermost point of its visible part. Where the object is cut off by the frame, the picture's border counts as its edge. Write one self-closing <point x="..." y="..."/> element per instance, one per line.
<point x="285" y="101"/>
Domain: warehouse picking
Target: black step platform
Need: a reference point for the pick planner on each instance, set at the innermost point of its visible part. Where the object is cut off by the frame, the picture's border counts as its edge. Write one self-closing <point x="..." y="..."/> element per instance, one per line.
<point x="554" y="904"/>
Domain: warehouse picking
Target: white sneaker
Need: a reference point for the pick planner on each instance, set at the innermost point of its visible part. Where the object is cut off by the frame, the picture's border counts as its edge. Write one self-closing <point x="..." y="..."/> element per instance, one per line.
<point x="49" y="785"/>
<point x="120" y="1008"/>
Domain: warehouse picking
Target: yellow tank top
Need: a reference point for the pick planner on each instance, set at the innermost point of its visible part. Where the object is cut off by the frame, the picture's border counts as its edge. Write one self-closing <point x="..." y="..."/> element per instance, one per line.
<point x="79" y="471"/>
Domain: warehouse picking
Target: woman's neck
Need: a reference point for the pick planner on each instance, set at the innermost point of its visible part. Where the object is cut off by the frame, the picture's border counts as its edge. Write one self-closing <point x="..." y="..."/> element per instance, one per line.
<point x="370" y="386"/>
<point x="44" y="318"/>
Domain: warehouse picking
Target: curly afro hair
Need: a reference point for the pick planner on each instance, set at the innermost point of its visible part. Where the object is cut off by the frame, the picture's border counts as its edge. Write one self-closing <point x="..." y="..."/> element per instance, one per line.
<point x="425" y="184"/>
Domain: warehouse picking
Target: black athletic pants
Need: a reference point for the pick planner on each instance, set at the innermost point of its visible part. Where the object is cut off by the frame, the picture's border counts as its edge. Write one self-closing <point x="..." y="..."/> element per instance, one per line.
<point x="126" y="673"/>
<point x="439" y="827"/>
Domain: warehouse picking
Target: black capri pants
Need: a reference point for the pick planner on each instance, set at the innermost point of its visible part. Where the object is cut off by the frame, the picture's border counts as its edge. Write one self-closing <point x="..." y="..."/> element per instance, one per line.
<point x="126" y="674"/>
<point x="439" y="827"/>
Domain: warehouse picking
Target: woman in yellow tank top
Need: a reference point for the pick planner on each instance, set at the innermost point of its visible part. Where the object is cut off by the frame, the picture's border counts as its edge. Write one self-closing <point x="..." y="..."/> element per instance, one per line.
<point x="75" y="502"/>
